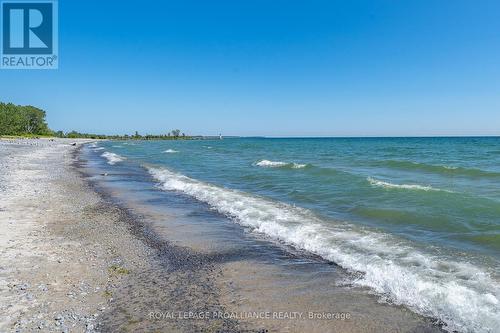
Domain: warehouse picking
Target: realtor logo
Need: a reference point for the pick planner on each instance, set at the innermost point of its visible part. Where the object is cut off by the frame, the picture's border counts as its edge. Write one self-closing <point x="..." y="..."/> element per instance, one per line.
<point x="29" y="34"/>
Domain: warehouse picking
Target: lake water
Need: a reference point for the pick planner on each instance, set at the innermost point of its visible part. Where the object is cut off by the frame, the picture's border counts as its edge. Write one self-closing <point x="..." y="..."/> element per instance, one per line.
<point x="415" y="220"/>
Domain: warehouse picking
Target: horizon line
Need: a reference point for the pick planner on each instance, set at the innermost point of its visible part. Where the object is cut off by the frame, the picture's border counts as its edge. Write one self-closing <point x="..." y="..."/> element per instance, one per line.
<point x="367" y="136"/>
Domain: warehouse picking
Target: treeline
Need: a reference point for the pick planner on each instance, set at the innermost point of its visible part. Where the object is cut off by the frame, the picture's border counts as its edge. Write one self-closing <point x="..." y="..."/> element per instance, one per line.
<point x="174" y="135"/>
<point x="22" y="120"/>
<point x="17" y="120"/>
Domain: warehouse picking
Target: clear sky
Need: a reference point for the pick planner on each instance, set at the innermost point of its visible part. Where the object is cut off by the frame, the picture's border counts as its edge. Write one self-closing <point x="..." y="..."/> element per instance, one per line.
<point x="274" y="68"/>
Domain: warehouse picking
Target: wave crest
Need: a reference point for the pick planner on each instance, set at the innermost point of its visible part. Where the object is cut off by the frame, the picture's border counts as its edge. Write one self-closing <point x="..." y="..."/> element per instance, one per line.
<point x="113" y="158"/>
<point x="380" y="183"/>
<point x="459" y="294"/>
<point x="279" y="164"/>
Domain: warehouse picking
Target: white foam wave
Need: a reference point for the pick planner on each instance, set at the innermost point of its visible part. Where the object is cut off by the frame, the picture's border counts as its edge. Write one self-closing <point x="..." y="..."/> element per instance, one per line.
<point x="278" y="164"/>
<point x="112" y="157"/>
<point x="95" y="147"/>
<point x="298" y="165"/>
<point x="383" y="184"/>
<point x="463" y="296"/>
<point x="270" y="164"/>
<point x="171" y="151"/>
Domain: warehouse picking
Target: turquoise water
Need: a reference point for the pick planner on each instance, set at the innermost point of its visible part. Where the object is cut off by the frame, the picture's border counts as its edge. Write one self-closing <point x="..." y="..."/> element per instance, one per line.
<point x="417" y="220"/>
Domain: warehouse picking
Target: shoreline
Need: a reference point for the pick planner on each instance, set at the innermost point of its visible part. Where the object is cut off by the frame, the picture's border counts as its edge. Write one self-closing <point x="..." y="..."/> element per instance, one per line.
<point x="257" y="274"/>
<point x="172" y="269"/>
<point x="103" y="266"/>
<point x="104" y="260"/>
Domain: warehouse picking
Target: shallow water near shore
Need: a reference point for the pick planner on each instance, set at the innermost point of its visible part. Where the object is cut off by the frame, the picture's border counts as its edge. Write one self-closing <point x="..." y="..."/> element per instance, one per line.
<point x="412" y="221"/>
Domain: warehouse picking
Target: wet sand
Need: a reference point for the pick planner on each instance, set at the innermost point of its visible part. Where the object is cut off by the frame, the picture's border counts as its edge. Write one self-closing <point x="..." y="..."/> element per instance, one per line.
<point x="79" y="254"/>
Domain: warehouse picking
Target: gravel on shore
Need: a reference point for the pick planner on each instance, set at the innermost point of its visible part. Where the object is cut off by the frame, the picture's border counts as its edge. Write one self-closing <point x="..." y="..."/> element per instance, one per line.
<point x="71" y="260"/>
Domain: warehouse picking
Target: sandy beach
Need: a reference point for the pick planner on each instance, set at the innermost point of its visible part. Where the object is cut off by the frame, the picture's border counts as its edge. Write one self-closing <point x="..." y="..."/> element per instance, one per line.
<point x="75" y="259"/>
<point x="68" y="256"/>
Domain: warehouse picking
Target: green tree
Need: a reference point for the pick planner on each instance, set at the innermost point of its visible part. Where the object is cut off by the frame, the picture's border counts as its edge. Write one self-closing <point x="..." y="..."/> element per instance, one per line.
<point x="19" y="120"/>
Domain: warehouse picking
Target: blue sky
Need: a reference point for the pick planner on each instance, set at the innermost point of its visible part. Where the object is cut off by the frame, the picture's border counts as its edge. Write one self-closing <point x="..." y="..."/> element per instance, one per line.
<point x="274" y="68"/>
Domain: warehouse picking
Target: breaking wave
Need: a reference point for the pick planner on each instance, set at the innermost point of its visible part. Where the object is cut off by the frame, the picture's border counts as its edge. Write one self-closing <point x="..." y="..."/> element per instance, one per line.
<point x="112" y="157"/>
<point x="278" y="164"/>
<point x="388" y="185"/>
<point x="461" y="295"/>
